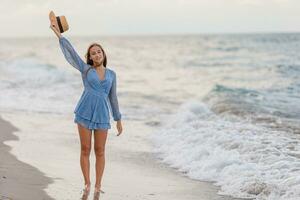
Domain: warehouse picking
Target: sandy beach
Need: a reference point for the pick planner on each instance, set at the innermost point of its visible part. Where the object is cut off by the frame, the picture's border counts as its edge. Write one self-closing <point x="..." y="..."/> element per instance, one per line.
<point x="131" y="171"/>
<point x="18" y="180"/>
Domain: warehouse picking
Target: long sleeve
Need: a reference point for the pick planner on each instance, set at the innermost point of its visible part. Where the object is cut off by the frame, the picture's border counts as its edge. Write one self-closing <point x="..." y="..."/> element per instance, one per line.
<point x="114" y="99"/>
<point x="71" y="55"/>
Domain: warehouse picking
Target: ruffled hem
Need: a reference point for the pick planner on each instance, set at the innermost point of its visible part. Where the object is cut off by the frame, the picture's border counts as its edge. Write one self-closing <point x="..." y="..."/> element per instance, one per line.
<point x="90" y="124"/>
<point x="93" y="108"/>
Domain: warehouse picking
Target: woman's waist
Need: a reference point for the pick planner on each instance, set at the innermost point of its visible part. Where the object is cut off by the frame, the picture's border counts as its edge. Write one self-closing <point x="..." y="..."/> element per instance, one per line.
<point x="95" y="92"/>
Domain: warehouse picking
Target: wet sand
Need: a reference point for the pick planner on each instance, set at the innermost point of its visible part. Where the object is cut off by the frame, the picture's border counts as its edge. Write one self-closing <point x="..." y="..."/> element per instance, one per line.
<point x="18" y="180"/>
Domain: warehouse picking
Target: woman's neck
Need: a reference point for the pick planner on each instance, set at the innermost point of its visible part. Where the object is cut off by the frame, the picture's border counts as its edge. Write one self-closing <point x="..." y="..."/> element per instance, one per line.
<point x="98" y="65"/>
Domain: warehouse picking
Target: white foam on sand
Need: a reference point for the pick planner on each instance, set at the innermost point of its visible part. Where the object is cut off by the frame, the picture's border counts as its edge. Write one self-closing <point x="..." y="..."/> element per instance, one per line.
<point x="246" y="160"/>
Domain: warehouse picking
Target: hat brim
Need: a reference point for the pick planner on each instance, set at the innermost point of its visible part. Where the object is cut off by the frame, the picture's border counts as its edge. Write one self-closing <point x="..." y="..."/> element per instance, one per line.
<point x="53" y="20"/>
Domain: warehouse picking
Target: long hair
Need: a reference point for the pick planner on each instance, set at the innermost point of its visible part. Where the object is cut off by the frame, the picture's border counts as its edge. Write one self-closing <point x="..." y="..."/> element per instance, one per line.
<point x="90" y="61"/>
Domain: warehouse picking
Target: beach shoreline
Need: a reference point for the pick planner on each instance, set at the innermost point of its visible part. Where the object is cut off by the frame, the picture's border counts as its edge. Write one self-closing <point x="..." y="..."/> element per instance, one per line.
<point x="131" y="171"/>
<point x="19" y="180"/>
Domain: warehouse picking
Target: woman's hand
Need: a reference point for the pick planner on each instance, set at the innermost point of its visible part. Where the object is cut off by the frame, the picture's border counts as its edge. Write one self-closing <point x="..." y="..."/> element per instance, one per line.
<point x="119" y="127"/>
<point x="55" y="29"/>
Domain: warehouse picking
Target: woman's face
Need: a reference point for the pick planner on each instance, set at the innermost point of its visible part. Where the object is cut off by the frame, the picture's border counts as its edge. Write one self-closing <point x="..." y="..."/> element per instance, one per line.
<point x="96" y="55"/>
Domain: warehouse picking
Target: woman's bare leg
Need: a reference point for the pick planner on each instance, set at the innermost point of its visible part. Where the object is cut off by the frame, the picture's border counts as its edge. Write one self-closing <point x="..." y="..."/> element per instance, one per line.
<point x="99" y="147"/>
<point x="85" y="141"/>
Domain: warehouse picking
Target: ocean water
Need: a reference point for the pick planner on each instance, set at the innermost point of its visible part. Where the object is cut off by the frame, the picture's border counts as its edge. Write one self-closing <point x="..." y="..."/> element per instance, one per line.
<point x="223" y="108"/>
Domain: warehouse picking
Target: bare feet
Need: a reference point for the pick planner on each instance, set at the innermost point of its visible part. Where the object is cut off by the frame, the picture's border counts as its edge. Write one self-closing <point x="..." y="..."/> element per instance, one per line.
<point x="86" y="192"/>
<point x="97" y="192"/>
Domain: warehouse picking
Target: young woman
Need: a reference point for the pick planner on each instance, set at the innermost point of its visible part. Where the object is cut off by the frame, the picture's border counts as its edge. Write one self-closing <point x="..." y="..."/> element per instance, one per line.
<point x="92" y="110"/>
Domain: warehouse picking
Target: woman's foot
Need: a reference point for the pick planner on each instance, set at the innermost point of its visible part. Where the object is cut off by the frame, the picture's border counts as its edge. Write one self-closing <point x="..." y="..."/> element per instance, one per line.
<point x="98" y="188"/>
<point x="97" y="192"/>
<point x="86" y="191"/>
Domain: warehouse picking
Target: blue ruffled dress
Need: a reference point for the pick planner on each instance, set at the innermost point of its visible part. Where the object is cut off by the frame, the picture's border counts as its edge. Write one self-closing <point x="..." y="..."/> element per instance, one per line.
<point x="99" y="96"/>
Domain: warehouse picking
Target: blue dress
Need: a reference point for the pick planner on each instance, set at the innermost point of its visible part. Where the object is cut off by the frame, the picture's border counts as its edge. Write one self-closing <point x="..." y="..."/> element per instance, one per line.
<point x="98" y="97"/>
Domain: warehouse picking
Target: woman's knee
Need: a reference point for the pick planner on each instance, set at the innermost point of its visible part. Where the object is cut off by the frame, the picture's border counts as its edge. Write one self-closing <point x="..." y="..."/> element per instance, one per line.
<point x="85" y="149"/>
<point x="99" y="151"/>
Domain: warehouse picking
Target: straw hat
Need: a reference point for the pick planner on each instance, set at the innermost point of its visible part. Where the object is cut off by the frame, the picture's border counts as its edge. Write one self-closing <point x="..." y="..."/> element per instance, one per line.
<point x="59" y="22"/>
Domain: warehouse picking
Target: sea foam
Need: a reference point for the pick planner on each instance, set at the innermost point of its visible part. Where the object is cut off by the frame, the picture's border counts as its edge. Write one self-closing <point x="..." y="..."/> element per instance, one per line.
<point x="244" y="159"/>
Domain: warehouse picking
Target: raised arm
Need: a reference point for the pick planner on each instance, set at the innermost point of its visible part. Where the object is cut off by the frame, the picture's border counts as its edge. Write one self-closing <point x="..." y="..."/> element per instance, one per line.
<point x="71" y="55"/>
<point x="114" y="99"/>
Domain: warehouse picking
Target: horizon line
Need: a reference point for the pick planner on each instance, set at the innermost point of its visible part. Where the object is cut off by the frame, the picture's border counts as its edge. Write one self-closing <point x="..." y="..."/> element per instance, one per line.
<point x="156" y="34"/>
